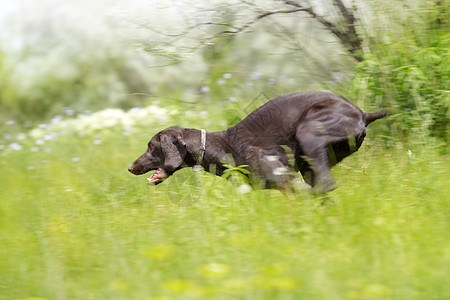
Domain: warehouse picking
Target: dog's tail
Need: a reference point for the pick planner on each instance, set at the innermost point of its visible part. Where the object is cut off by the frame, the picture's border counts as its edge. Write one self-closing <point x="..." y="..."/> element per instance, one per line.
<point x="370" y="117"/>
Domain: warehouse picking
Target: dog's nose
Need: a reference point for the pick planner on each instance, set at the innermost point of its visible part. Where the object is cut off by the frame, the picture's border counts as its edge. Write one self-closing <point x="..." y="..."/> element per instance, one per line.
<point x="130" y="168"/>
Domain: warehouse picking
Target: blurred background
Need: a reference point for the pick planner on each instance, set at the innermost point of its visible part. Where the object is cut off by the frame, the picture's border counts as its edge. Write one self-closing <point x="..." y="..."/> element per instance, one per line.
<point x="69" y="58"/>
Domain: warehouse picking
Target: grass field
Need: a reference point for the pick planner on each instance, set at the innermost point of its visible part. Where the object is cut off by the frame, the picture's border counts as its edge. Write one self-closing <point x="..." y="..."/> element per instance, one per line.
<point x="76" y="225"/>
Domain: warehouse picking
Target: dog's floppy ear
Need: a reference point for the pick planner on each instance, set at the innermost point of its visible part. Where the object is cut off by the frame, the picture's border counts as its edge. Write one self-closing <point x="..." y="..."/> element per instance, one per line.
<point x="174" y="150"/>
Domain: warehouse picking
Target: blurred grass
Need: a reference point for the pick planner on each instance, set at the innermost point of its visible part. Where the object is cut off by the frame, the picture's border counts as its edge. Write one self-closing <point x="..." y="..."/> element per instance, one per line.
<point x="85" y="228"/>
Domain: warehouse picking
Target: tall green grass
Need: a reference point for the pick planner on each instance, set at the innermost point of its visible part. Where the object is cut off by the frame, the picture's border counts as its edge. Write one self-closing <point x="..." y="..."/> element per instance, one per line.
<point x="76" y="225"/>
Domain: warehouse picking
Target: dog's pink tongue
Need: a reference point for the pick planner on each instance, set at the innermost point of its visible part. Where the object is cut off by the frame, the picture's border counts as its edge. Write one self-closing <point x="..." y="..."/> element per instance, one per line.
<point x="157" y="176"/>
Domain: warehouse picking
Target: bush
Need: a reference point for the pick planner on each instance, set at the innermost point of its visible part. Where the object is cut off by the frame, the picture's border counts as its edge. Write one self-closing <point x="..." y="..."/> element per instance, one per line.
<point x="412" y="81"/>
<point x="90" y="83"/>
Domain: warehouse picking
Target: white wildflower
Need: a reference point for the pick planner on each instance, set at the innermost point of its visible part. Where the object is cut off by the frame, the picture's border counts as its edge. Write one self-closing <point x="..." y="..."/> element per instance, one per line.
<point x="21" y="136"/>
<point x="37" y="133"/>
<point x="56" y="119"/>
<point x="244" y="189"/>
<point x="69" y="112"/>
<point x="16" y="146"/>
<point x="255" y="76"/>
<point x="51" y="136"/>
<point x="410" y="154"/>
<point x="92" y="123"/>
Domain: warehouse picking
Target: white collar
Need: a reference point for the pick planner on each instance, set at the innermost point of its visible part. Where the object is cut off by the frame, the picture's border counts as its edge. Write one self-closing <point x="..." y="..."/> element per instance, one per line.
<point x="203" y="145"/>
<point x="202" y="151"/>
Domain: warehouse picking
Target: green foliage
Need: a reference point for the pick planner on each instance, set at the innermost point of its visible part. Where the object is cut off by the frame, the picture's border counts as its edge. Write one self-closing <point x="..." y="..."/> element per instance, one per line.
<point x="408" y="70"/>
<point x="237" y="174"/>
<point x="8" y="92"/>
<point x="83" y="84"/>
<point x="412" y="82"/>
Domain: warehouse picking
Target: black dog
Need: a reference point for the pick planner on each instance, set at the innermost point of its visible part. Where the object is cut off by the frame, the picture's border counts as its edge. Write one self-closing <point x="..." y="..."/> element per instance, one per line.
<point x="319" y="129"/>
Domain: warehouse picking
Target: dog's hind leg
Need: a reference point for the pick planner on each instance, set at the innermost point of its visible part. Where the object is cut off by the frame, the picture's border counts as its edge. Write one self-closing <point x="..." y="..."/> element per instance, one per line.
<point x="307" y="172"/>
<point x="317" y="171"/>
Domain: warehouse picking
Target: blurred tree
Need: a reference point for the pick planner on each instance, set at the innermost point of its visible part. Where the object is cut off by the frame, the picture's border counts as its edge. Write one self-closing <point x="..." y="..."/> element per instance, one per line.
<point x="66" y="54"/>
<point x="86" y="83"/>
<point x="8" y="92"/>
<point x="231" y="18"/>
<point x="341" y="24"/>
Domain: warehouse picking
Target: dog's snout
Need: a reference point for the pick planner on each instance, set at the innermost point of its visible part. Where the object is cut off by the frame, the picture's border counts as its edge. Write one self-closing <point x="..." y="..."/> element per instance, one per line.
<point x="130" y="168"/>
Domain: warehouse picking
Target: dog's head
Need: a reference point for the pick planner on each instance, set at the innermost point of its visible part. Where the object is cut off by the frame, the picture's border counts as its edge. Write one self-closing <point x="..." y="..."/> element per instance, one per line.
<point x="165" y="154"/>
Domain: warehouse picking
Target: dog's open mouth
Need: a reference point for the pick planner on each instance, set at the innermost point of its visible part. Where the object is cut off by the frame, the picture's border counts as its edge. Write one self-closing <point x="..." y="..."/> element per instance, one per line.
<point x="157" y="177"/>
